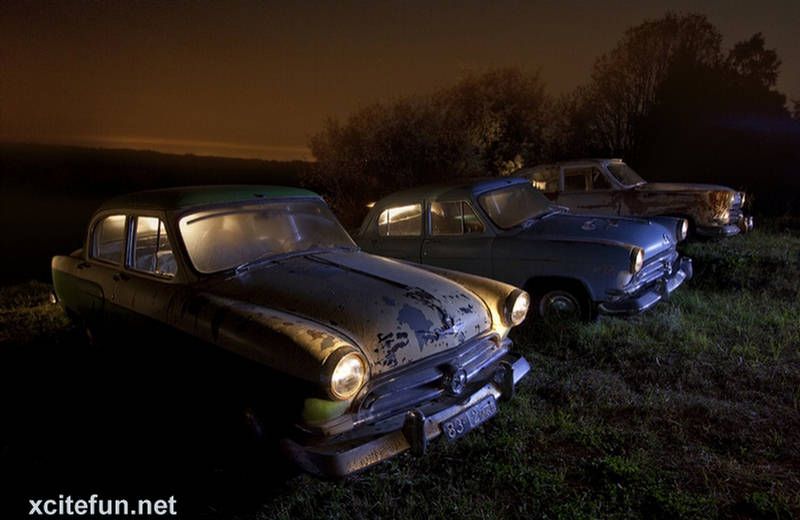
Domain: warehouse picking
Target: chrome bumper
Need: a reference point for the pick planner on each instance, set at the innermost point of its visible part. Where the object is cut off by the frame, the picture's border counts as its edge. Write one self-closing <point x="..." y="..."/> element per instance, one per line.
<point x="416" y="429"/>
<point x="743" y="225"/>
<point x="640" y="302"/>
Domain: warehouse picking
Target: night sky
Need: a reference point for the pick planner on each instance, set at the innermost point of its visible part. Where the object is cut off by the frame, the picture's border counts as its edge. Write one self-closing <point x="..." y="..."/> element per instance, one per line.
<point x="256" y="79"/>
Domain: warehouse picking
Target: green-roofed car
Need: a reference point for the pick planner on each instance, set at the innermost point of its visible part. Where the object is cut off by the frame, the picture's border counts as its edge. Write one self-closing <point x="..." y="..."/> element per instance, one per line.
<point x="361" y="357"/>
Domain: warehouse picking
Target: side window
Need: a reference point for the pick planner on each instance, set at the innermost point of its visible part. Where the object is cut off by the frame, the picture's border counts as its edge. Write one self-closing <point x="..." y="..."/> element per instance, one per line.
<point x="152" y="251"/>
<point x="401" y="221"/>
<point x="599" y="180"/>
<point x="108" y="239"/>
<point x="575" y="179"/>
<point x="454" y="218"/>
<point x="472" y="224"/>
<point x="546" y="181"/>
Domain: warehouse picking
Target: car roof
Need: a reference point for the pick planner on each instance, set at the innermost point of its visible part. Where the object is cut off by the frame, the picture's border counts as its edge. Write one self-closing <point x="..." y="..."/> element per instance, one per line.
<point x="598" y="160"/>
<point x="546" y="171"/>
<point x="455" y="189"/>
<point x="188" y="196"/>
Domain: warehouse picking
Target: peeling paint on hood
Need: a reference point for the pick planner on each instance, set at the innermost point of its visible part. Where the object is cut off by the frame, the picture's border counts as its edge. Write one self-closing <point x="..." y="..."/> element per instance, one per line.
<point x="395" y="312"/>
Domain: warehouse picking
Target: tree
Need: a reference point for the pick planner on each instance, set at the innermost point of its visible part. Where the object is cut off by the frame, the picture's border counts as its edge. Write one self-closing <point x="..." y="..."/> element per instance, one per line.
<point x="625" y="82"/>
<point x="499" y="118"/>
<point x="487" y="124"/>
<point x="751" y="61"/>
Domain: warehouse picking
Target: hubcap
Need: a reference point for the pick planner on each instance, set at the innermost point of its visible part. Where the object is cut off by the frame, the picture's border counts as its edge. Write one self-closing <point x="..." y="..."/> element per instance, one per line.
<point x="559" y="303"/>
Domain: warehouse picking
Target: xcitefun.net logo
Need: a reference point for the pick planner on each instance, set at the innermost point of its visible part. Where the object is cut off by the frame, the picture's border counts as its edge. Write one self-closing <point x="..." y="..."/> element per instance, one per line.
<point x="67" y="506"/>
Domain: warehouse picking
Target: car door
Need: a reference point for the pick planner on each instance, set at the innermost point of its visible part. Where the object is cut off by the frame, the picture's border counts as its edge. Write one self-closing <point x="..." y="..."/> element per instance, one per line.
<point x="457" y="238"/>
<point x="143" y="288"/>
<point x="586" y="189"/>
<point x="98" y="274"/>
<point x="396" y="232"/>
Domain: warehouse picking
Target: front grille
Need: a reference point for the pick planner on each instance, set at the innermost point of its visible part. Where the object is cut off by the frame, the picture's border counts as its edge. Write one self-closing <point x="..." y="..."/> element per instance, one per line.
<point x="735" y="211"/>
<point x="424" y="381"/>
<point x="658" y="267"/>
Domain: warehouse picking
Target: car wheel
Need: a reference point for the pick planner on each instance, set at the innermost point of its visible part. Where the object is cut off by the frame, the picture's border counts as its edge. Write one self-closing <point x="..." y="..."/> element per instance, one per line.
<point x="561" y="304"/>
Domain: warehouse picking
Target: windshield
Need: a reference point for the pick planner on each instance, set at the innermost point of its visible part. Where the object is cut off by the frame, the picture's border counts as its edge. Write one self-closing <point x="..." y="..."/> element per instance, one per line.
<point x="511" y="206"/>
<point x="624" y="174"/>
<point x="223" y="238"/>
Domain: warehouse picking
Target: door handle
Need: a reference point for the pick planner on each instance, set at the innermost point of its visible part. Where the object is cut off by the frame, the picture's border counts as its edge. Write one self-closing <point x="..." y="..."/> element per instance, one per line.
<point x="84" y="265"/>
<point x="120" y="277"/>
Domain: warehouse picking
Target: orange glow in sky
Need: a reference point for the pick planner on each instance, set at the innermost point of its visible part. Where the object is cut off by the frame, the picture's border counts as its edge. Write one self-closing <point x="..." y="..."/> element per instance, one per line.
<point x="257" y="79"/>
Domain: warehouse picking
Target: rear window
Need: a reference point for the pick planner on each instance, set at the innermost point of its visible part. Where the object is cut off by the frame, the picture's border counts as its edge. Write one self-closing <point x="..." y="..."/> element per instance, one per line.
<point x="401" y="221"/>
<point x="108" y="239"/>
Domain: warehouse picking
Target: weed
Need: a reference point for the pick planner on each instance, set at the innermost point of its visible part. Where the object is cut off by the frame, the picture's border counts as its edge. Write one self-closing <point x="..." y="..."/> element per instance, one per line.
<point x="688" y="411"/>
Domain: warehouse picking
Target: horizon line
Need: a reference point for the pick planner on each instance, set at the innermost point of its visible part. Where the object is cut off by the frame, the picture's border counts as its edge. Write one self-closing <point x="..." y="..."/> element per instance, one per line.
<point x="175" y="146"/>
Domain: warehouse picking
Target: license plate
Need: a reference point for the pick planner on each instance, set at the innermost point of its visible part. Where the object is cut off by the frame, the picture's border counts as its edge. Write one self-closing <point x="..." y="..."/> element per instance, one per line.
<point x="469" y="419"/>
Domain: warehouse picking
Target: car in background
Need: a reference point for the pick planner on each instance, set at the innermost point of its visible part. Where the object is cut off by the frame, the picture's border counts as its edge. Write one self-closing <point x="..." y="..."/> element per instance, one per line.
<point x="365" y="356"/>
<point x="611" y="187"/>
<point x="573" y="266"/>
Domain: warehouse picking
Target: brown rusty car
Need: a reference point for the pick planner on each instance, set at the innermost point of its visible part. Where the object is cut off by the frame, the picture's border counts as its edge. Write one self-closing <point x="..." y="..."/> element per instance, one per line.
<point x="609" y="186"/>
<point x="363" y="356"/>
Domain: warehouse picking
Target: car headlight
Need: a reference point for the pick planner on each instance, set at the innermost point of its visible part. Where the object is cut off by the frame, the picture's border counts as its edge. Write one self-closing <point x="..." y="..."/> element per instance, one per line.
<point x="683" y="229"/>
<point x="344" y="373"/>
<point x="637" y="259"/>
<point x="516" y="307"/>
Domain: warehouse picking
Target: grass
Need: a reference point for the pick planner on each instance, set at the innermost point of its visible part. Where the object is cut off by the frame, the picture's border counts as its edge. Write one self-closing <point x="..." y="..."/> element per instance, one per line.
<point x="691" y="410"/>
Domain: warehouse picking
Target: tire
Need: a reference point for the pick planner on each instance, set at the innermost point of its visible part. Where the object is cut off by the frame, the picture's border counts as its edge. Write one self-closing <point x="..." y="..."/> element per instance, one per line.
<point x="562" y="303"/>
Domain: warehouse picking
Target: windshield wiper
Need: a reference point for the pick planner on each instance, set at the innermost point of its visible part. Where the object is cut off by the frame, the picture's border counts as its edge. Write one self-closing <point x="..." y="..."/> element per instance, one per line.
<point x="556" y="208"/>
<point x="257" y="260"/>
<point x="551" y="210"/>
<point x="272" y="257"/>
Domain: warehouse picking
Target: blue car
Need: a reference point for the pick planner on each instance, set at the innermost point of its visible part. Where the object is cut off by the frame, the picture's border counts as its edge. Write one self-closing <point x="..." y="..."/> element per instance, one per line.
<point x="573" y="266"/>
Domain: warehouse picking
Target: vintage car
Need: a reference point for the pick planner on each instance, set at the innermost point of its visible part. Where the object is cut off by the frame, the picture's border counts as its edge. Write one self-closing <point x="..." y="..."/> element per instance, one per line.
<point x="371" y="356"/>
<point x="573" y="266"/>
<point x="611" y="187"/>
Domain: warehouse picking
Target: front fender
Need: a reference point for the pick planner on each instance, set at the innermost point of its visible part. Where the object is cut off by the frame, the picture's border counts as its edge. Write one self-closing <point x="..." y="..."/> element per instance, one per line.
<point x="280" y="340"/>
<point x="597" y="265"/>
<point x="671" y="223"/>
<point x="492" y="292"/>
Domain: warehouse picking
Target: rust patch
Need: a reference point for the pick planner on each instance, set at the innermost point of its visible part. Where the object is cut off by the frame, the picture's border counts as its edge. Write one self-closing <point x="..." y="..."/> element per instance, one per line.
<point x="388" y="345"/>
<point x="430" y="301"/>
<point x="324" y="339"/>
<point x="719" y="201"/>
<point x="418" y="323"/>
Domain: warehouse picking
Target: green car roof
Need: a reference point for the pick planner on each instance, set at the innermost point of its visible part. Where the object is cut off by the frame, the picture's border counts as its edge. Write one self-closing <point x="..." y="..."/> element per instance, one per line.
<point x="187" y="196"/>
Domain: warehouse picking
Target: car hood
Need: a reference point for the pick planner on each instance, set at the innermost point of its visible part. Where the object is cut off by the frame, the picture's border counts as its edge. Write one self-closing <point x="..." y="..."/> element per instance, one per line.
<point x="650" y="236"/>
<point x="680" y="186"/>
<point x="396" y="313"/>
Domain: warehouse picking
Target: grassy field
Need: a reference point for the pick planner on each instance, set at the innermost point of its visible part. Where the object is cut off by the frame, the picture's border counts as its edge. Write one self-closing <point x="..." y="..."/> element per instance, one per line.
<point x="690" y="411"/>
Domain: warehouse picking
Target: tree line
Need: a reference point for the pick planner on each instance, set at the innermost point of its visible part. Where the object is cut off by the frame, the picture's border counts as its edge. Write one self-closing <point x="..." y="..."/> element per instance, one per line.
<point x="667" y="98"/>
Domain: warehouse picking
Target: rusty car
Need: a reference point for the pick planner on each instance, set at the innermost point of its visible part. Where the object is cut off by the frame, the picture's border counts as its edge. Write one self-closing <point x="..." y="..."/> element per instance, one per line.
<point x="611" y="187"/>
<point x="368" y="356"/>
<point x="573" y="266"/>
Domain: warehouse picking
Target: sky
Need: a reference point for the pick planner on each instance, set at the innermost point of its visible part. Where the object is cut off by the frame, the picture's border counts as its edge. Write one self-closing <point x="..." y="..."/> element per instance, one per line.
<point x="258" y="78"/>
